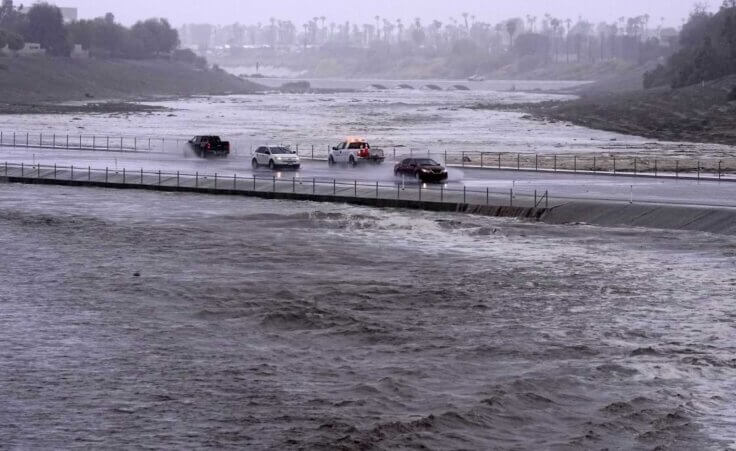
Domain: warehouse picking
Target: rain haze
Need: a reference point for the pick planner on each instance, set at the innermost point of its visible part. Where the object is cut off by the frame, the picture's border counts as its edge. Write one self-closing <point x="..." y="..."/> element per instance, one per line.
<point x="368" y="225"/>
<point x="228" y="11"/>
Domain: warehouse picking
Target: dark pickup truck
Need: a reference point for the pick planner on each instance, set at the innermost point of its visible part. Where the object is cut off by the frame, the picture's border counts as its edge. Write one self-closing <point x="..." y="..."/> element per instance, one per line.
<point x="209" y="146"/>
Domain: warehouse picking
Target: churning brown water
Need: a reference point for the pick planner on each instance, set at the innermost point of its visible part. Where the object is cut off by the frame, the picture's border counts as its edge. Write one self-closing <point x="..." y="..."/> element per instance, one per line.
<point x="285" y="325"/>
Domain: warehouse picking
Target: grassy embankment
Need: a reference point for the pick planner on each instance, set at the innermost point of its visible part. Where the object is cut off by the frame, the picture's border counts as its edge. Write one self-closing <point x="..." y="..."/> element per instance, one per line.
<point x="29" y="85"/>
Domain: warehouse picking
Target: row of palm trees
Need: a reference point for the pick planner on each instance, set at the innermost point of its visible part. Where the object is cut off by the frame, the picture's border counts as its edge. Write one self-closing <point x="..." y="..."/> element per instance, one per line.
<point x="435" y="36"/>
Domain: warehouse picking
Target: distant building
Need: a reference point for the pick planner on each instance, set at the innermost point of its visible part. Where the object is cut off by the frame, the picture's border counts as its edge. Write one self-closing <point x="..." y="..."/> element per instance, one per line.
<point x="79" y="53"/>
<point x="69" y="14"/>
<point x="31" y="49"/>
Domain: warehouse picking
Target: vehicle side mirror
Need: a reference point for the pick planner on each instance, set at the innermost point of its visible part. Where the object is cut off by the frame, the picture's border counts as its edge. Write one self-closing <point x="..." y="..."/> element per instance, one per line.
<point x="334" y="148"/>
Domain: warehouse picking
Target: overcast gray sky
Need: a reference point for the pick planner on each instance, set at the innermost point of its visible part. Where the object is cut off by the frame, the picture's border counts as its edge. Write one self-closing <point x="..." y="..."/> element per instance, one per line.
<point x="362" y="11"/>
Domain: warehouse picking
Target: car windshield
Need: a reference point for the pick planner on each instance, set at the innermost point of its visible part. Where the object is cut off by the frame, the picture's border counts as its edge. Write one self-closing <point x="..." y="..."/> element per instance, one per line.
<point x="427" y="162"/>
<point x="279" y="150"/>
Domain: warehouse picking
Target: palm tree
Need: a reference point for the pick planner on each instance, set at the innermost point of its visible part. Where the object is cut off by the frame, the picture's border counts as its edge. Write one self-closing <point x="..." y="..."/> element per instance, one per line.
<point x="511" y="26"/>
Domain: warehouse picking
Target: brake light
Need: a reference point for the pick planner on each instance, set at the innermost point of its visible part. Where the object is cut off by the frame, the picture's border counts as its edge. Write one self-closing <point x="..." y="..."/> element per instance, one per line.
<point x="209" y="146"/>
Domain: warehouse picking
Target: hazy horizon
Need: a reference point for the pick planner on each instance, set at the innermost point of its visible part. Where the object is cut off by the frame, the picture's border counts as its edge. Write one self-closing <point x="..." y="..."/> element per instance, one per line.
<point x="230" y="11"/>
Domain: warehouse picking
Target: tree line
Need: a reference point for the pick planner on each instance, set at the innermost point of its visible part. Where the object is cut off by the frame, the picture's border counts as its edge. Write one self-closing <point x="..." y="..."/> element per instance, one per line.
<point x="708" y="50"/>
<point x="44" y="24"/>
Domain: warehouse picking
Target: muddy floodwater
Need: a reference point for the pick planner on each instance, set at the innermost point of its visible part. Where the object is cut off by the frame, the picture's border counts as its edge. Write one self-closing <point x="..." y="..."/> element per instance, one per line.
<point x="135" y="319"/>
<point x="421" y="119"/>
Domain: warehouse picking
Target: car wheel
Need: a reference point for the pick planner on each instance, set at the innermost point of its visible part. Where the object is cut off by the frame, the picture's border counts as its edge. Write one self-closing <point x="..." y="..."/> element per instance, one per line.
<point x="271" y="165"/>
<point x="254" y="163"/>
<point x="353" y="163"/>
<point x="331" y="161"/>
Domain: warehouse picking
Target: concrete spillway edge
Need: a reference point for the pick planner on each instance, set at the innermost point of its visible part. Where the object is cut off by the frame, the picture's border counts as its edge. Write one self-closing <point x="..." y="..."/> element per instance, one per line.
<point x="606" y="214"/>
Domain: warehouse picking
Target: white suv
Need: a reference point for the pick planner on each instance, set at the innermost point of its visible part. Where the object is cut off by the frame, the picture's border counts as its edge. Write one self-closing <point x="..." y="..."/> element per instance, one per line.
<point x="354" y="151"/>
<point x="276" y="158"/>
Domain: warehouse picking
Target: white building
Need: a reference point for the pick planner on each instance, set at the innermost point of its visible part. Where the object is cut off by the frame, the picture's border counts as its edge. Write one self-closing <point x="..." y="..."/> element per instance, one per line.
<point x="31" y="49"/>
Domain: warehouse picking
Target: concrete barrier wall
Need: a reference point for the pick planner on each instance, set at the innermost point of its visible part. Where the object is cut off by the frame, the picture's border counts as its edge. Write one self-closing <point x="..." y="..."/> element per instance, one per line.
<point x="702" y="219"/>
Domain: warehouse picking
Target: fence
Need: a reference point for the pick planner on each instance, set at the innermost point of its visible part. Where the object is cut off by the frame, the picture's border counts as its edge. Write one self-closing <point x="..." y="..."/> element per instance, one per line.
<point x="337" y="189"/>
<point x="616" y="164"/>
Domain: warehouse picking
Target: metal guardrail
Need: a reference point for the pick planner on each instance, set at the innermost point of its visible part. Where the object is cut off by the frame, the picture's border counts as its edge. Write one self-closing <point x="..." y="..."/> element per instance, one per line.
<point x="590" y="163"/>
<point x="419" y="192"/>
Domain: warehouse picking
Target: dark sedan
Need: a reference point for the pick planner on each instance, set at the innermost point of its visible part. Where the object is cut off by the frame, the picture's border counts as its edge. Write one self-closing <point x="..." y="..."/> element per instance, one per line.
<point x="423" y="169"/>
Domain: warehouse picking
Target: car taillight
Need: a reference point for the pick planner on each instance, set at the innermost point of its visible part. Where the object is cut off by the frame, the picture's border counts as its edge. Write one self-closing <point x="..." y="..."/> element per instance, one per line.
<point x="209" y="146"/>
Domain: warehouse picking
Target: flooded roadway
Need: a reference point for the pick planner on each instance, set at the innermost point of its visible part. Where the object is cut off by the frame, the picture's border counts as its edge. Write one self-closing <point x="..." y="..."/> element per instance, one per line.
<point x="560" y="185"/>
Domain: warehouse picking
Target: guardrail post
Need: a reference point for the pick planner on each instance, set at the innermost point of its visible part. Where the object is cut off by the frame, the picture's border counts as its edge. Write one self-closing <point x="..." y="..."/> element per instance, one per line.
<point x="463" y="156"/>
<point x="22" y="170"/>
<point x="465" y="194"/>
<point x="499" y="160"/>
<point x="376" y="190"/>
<point x="274" y="183"/>
<point x="575" y="163"/>
<point x="254" y="182"/>
<point x="488" y="196"/>
<point x="546" y="199"/>
<point x="719" y="170"/>
<point x="698" y="169"/>
<point x="215" y="180"/>
<point x="481" y="160"/>
<point x="177" y="179"/>
<point x="123" y="175"/>
<point x="71" y="173"/>
<point x="235" y="182"/>
<point x="293" y="185"/>
<point x="67" y="142"/>
<point x="159" y="177"/>
<point x="149" y="143"/>
<point x="442" y="194"/>
<point x="636" y="168"/>
<point x="355" y="184"/>
<point x="312" y="151"/>
<point x="535" y="199"/>
<point x="141" y="176"/>
<point x="106" y="172"/>
<point x="89" y="173"/>
<point x="511" y="198"/>
<point x="38" y="171"/>
<point x="334" y="187"/>
<point x="54" y="171"/>
<point x="314" y="185"/>
<point x="536" y="162"/>
<point x="555" y="164"/>
<point x="196" y="179"/>
<point x="135" y="143"/>
<point x="445" y="157"/>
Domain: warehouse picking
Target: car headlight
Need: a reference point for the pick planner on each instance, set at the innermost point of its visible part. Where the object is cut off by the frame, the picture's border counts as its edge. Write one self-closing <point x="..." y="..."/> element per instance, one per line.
<point x="278" y="158"/>
<point x="426" y="170"/>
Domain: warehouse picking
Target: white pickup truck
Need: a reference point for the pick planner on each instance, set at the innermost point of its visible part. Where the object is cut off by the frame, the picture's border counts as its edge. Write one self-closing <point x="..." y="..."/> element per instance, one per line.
<point x="354" y="151"/>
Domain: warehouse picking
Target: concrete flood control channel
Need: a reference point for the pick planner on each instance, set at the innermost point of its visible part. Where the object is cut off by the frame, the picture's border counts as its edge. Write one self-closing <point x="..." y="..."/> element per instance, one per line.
<point x="416" y="196"/>
<point x="531" y="206"/>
